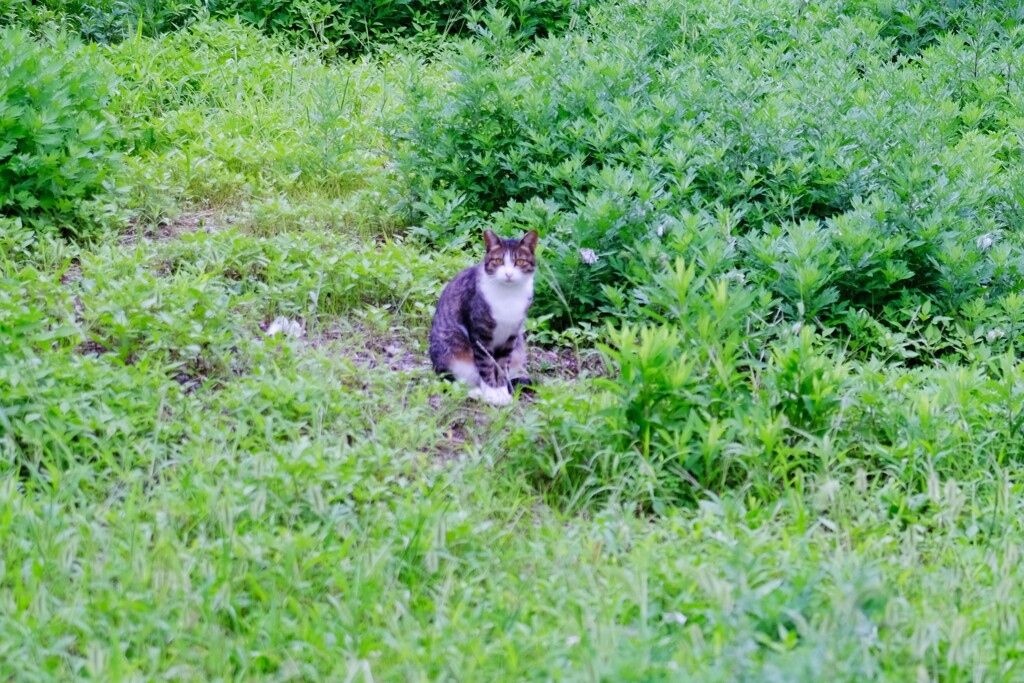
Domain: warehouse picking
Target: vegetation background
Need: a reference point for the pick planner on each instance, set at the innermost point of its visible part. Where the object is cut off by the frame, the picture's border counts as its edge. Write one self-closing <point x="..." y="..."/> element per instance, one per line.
<point x="778" y="432"/>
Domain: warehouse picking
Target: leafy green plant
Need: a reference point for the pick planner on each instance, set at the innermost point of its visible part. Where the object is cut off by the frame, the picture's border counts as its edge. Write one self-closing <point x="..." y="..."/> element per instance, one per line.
<point x="358" y="26"/>
<point x="917" y="24"/>
<point x="101" y="21"/>
<point x="336" y="28"/>
<point x="803" y="383"/>
<point x="58" y="158"/>
<point x="672" y="405"/>
<point x="897" y="195"/>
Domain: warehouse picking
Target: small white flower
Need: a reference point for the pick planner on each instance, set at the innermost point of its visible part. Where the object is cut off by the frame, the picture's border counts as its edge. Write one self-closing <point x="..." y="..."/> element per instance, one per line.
<point x="588" y="256"/>
<point x="289" y="328"/>
<point x="994" y="334"/>
<point x="985" y="241"/>
<point x="572" y="640"/>
<point x="675" y="618"/>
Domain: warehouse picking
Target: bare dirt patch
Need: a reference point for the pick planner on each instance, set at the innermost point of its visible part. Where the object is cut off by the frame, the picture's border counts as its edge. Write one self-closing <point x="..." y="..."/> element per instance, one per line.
<point x="566" y="363"/>
<point x="371" y="349"/>
<point x="73" y="273"/>
<point x="454" y="444"/>
<point x="91" y="348"/>
<point x="166" y="230"/>
<point x="404" y="352"/>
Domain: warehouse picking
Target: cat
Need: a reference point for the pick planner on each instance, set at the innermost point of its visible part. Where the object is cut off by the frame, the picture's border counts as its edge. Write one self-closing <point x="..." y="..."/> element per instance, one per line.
<point x="477" y="335"/>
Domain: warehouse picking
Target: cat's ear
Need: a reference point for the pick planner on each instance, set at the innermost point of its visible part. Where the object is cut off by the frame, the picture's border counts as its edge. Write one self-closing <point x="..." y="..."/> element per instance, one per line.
<point x="491" y="241"/>
<point x="529" y="240"/>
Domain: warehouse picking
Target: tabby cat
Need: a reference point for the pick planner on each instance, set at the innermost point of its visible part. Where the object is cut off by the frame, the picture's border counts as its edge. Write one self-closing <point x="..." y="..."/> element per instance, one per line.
<point x="477" y="333"/>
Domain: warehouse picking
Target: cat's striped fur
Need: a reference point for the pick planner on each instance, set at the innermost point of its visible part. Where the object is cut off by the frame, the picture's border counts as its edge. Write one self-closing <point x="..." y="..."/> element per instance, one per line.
<point x="477" y="332"/>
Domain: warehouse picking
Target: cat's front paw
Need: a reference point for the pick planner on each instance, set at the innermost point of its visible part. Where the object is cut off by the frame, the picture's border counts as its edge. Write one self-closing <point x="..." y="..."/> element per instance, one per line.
<point x="496" y="396"/>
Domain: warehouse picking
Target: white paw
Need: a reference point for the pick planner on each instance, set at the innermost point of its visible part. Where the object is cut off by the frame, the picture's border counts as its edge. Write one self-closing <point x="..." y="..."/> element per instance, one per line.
<point x="496" y="396"/>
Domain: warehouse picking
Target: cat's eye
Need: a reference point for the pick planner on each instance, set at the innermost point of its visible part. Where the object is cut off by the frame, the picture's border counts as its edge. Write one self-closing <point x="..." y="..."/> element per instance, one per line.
<point x="522" y="263"/>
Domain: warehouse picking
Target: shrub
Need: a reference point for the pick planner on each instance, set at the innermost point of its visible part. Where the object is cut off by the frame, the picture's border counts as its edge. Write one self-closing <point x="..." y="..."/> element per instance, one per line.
<point x="839" y="184"/>
<point x="347" y="28"/>
<point x="917" y="24"/>
<point x="357" y="26"/>
<point x="659" y="432"/>
<point x="58" y="151"/>
<point x="102" y="21"/>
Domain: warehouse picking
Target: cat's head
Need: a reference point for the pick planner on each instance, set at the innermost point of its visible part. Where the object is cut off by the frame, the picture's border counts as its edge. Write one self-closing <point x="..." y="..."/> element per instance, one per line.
<point x="510" y="261"/>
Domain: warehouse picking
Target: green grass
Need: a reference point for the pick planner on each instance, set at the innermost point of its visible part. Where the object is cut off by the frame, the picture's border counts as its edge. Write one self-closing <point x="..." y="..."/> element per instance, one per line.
<point x="712" y="481"/>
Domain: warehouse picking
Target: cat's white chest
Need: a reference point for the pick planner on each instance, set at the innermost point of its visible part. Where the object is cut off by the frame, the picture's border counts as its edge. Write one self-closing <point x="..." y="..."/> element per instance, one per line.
<point x="508" y="307"/>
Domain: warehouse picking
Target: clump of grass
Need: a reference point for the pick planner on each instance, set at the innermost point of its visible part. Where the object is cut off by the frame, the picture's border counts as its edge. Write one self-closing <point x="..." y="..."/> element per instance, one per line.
<point x="222" y="115"/>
